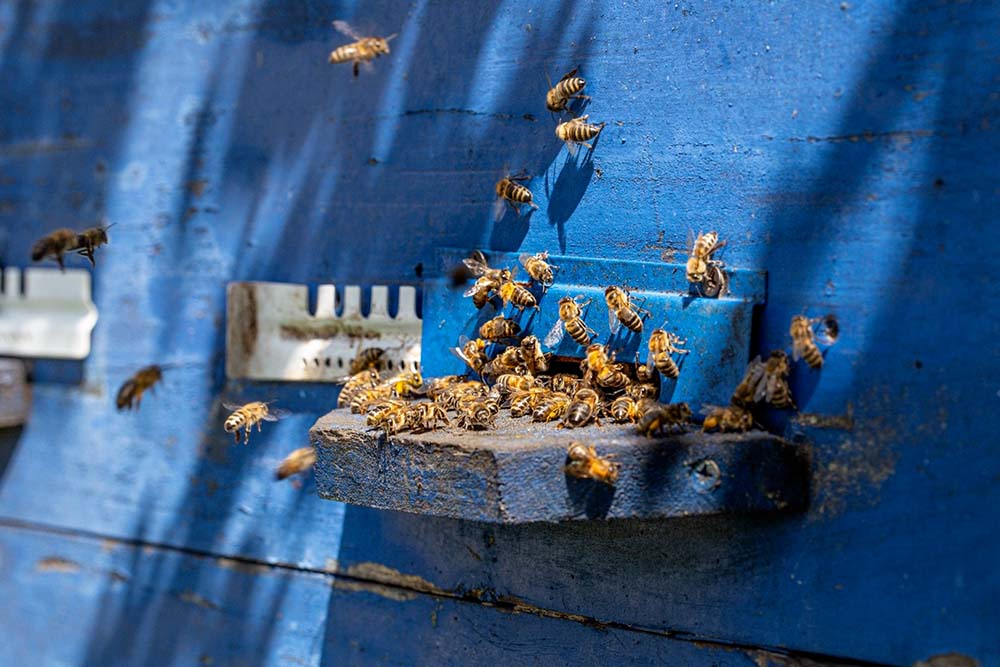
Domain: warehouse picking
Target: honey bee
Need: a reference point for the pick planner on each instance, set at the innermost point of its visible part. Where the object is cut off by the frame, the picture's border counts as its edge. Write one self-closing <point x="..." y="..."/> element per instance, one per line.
<point x="427" y="416"/>
<point x="638" y="391"/>
<point x="535" y="360"/>
<point x="298" y="461"/>
<point x="438" y="387"/>
<point x="663" y="344"/>
<point x="55" y="245"/>
<point x="728" y="419"/>
<point x="511" y="192"/>
<point x="456" y="393"/>
<point x="510" y="382"/>
<point x="582" y="409"/>
<point x="582" y="461"/>
<point x="538" y="267"/>
<point x="364" y="399"/>
<point x="743" y="396"/>
<point x="90" y="239"/>
<point x="391" y="417"/>
<point x="622" y="311"/>
<point x="406" y="385"/>
<point x="551" y="407"/>
<point x="377" y="407"/>
<point x="482" y="290"/>
<point x="499" y="328"/>
<point x="600" y="369"/>
<point x="355" y="384"/>
<point x="522" y="402"/>
<point x="132" y="389"/>
<point x="370" y="358"/>
<point x="571" y="322"/>
<point x="624" y="410"/>
<point x="565" y="383"/>
<point x="517" y="294"/>
<point x="700" y="259"/>
<point x="566" y="88"/>
<point x="578" y="131"/>
<point x="362" y="50"/>
<point x="656" y="417"/>
<point x="803" y="344"/>
<point x="477" y="413"/>
<point x="773" y="384"/>
<point x="472" y="352"/>
<point x="246" y="416"/>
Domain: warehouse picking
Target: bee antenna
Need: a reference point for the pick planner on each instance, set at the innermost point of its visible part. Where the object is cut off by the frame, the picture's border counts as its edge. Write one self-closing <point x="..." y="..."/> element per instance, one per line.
<point x="392" y="37"/>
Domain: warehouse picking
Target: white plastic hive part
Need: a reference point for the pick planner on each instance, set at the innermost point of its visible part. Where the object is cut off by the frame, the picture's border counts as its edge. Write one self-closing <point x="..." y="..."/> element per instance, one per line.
<point x="271" y="335"/>
<point x="52" y="319"/>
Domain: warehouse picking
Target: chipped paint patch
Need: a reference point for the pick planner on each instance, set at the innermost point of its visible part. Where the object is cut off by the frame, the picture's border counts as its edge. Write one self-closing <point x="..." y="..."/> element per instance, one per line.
<point x="57" y="564"/>
<point x="378" y="573"/>
<point x="242" y="566"/>
<point x="388" y="592"/>
<point x="193" y="598"/>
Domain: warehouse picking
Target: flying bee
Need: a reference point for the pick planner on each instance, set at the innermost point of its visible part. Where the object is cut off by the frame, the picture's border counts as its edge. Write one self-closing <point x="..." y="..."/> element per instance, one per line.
<point x="578" y="131"/>
<point x="582" y="409"/>
<point x="571" y="322"/>
<point x="582" y="461"/>
<point x="472" y="352"/>
<point x="510" y="382"/>
<point x="300" y="460"/>
<point x="90" y="239"/>
<point x="132" y="389"/>
<point x="566" y="88"/>
<point x="773" y="384"/>
<point x="656" y="417"/>
<point x="700" y="259"/>
<point x="728" y="419"/>
<point x="248" y="415"/>
<point x="427" y="416"/>
<point x="356" y="383"/>
<point x="622" y="311"/>
<point x="538" y="267"/>
<point x="406" y="385"/>
<point x="803" y="344"/>
<point x="499" y="328"/>
<point x="362" y="50"/>
<point x="489" y="279"/>
<point x="551" y="407"/>
<point x="536" y="360"/>
<point x="510" y="191"/>
<point x="743" y="396"/>
<point x="55" y="245"/>
<point x="624" y="410"/>
<point x="370" y="358"/>
<point x="663" y="344"/>
<point x="517" y="294"/>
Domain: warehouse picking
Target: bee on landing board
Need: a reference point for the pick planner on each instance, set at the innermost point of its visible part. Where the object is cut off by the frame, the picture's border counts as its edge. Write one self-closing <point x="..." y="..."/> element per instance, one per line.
<point x="538" y="267"/>
<point x="499" y="328"/>
<point x="803" y="341"/>
<point x="577" y="131"/>
<point x="90" y="239"/>
<point x="624" y="410"/>
<point x="702" y="269"/>
<point x="361" y="50"/>
<point x="355" y="384"/>
<point x="728" y="419"/>
<point x="655" y="417"/>
<point x="427" y="416"/>
<point x="571" y="322"/>
<point x="132" y="390"/>
<point x="663" y="344"/>
<point x="582" y="461"/>
<point x="300" y="460"/>
<point x="582" y="409"/>
<point x="535" y="360"/>
<point x="566" y="89"/>
<point x="247" y="416"/>
<point x="621" y="310"/>
<point x="510" y="191"/>
<point x="55" y="245"/>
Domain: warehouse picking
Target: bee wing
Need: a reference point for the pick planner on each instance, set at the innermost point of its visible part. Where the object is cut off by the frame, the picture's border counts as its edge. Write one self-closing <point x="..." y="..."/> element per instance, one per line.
<point x="570" y="74"/>
<point x="231" y="406"/>
<point x="614" y="324"/>
<point x="572" y="147"/>
<point x="498" y="208"/>
<point x="555" y="335"/>
<point x="477" y="267"/>
<point x="524" y="258"/>
<point x="276" y="414"/>
<point x="472" y="290"/>
<point x="344" y="28"/>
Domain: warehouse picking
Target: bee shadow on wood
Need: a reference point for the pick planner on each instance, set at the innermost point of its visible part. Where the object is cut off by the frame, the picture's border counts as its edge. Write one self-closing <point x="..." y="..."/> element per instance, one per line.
<point x="510" y="229"/>
<point x="589" y="497"/>
<point x="567" y="191"/>
<point x="658" y="467"/>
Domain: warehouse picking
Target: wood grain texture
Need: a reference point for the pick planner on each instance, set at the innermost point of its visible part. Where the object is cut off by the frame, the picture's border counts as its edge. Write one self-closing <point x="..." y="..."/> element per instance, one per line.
<point x="848" y="150"/>
<point x="514" y="474"/>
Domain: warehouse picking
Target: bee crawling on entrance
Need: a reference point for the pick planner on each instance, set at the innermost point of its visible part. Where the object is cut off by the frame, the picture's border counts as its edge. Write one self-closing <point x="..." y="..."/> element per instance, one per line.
<point x="248" y="415"/>
<point x="132" y="389"/>
<point x="621" y="310"/>
<point x="577" y="131"/>
<point x="582" y="409"/>
<point x="499" y="328"/>
<point x="583" y="462"/>
<point x="624" y="410"/>
<point x="535" y="360"/>
<point x="361" y="50"/>
<point x="510" y="191"/>
<point x="657" y="417"/>
<point x="538" y="268"/>
<point x="728" y="419"/>
<point x="803" y="341"/>
<point x="571" y="322"/>
<point x="662" y="345"/>
<point x="566" y="89"/>
<point x="702" y="269"/>
<point x="300" y="460"/>
<point x="427" y="416"/>
<point x="600" y="369"/>
<point x="517" y="294"/>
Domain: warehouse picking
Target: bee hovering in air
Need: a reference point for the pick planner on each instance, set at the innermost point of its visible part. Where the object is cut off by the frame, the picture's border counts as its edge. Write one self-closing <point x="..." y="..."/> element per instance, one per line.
<point x="538" y="267"/>
<point x="300" y="460"/>
<point x="472" y="352"/>
<point x="90" y="239"/>
<point x="362" y="50"/>
<point x="803" y="342"/>
<point x="248" y="415"/>
<point x="582" y="461"/>
<point x="55" y="245"/>
<point x="577" y="131"/>
<point x="621" y="310"/>
<point x="773" y="385"/>
<point x="510" y="191"/>
<point x="571" y="322"/>
<point x="132" y="390"/>
<point x="663" y="344"/>
<point x="745" y="391"/>
<point x="702" y="269"/>
<point x="566" y="89"/>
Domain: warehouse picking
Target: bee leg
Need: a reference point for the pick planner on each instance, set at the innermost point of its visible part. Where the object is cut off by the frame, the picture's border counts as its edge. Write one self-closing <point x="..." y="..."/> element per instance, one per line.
<point x="356" y="66"/>
<point x="59" y="259"/>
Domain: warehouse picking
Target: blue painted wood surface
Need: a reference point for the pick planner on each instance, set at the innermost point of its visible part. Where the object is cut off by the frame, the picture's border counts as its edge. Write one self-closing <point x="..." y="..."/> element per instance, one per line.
<point x="847" y="149"/>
